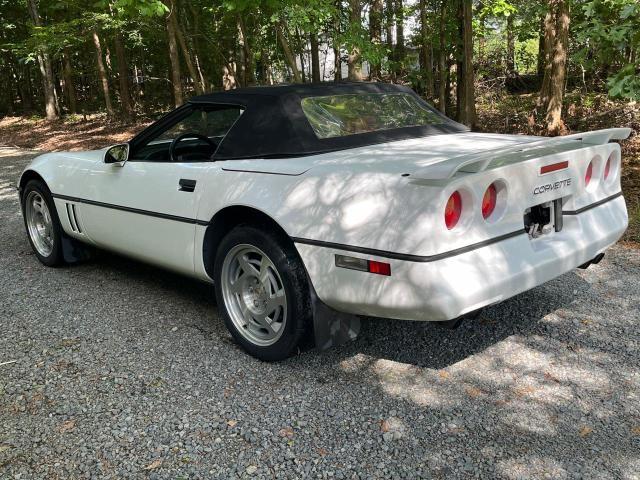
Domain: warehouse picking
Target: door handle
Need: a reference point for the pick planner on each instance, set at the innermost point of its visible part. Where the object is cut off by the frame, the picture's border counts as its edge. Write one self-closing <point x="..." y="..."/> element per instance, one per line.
<point x="187" y="185"/>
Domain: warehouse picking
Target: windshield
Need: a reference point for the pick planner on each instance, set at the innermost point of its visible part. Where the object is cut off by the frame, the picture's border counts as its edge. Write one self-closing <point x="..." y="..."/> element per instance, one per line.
<point x="342" y="115"/>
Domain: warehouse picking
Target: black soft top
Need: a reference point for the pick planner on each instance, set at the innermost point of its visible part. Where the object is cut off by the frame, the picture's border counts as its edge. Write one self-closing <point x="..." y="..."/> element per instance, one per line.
<point x="273" y="124"/>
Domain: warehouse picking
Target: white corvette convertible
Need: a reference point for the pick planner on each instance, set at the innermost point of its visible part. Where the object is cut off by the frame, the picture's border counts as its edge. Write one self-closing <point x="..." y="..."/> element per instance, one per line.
<point x="307" y="206"/>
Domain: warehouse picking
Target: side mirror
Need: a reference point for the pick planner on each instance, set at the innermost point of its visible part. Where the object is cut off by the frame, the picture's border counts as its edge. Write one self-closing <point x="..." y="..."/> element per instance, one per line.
<point x="118" y="154"/>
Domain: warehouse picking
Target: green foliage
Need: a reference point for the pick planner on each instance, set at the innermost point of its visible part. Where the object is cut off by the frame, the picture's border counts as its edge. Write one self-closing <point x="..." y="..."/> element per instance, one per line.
<point x="626" y="83"/>
<point x="527" y="56"/>
<point x="608" y="35"/>
<point x="498" y="8"/>
<point x="133" y="8"/>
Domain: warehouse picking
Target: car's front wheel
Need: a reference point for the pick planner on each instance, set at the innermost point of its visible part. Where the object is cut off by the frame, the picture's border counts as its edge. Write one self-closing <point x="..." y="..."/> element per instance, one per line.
<point x="42" y="223"/>
<point x="262" y="292"/>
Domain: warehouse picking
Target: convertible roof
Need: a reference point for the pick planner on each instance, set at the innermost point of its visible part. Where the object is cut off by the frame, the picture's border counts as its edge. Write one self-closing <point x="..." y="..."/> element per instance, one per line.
<point x="273" y="124"/>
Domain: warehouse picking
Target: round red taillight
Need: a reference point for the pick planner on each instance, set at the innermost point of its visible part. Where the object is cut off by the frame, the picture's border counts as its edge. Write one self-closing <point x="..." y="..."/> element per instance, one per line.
<point x="489" y="201"/>
<point x="588" y="174"/>
<point x="453" y="210"/>
<point x="607" y="168"/>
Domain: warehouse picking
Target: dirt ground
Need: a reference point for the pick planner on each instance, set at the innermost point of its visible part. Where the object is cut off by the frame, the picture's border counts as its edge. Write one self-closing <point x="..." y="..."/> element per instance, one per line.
<point x="72" y="133"/>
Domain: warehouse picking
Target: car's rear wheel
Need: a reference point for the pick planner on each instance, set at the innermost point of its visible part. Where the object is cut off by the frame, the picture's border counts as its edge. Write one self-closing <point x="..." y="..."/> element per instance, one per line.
<point x="42" y="223"/>
<point x="262" y="292"/>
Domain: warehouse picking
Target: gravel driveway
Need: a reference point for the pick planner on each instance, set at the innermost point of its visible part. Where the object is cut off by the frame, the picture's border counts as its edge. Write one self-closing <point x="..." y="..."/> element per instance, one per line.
<point x="113" y="369"/>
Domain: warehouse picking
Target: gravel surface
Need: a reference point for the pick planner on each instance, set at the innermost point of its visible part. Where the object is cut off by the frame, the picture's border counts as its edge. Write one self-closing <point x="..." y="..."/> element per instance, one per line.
<point x="113" y="369"/>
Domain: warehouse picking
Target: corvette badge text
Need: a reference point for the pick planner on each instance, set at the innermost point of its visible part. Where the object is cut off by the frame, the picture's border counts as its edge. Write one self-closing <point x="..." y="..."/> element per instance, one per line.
<point x="552" y="186"/>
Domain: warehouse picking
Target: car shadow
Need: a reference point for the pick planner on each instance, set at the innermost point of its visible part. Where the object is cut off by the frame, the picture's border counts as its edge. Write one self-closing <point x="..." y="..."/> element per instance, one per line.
<point x="422" y="344"/>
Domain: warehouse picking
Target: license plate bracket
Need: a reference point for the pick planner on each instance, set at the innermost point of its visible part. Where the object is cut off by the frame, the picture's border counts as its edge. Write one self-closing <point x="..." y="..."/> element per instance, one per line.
<point x="543" y="219"/>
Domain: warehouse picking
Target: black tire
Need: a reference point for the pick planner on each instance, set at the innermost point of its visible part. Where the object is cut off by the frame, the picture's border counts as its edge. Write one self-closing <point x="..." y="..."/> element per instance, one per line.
<point x="55" y="258"/>
<point x="294" y="280"/>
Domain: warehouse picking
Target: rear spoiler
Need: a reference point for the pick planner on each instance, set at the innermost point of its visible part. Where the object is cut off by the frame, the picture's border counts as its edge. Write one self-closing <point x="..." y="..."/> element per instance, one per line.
<point x="474" y="163"/>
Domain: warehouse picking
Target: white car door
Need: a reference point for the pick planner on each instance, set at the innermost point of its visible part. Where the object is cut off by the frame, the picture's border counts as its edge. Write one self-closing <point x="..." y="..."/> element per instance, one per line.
<point x="147" y="207"/>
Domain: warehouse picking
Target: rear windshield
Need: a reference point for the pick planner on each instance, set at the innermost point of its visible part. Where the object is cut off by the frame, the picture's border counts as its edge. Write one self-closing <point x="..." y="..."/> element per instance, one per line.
<point x="342" y="115"/>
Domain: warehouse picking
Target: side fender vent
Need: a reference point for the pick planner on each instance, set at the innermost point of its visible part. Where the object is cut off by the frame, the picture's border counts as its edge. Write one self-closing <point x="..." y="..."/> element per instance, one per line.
<point x="73" y="218"/>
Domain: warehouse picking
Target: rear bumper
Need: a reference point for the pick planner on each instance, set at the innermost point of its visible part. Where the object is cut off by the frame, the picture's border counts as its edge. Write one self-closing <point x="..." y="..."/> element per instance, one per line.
<point x="443" y="289"/>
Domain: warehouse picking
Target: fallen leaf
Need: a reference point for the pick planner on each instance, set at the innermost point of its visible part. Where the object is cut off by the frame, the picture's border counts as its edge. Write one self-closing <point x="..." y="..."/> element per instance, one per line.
<point x="574" y="347"/>
<point x="67" y="426"/>
<point x="443" y="374"/>
<point x="522" y="391"/>
<point x="473" y="392"/>
<point x="585" y="431"/>
<point x="550" y="377"/>
<point x="232" y="423"/>
<point x="69" y="342"/>
<point x="153" y="465"/>
<point x="635" y="430"/>
<point x="286" y="432"/>
<point x="384" y="426"/>
<point x="587" y="321"/>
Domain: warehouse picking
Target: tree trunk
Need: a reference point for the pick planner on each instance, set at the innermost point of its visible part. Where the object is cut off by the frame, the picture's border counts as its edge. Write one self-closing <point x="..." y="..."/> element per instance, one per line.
<point x="187" y="55"/>
<point x="442" y="59"/>
<point x="69" y="87"/>
<point x="451" y="87"/>
<point x="301" y="56"/>
<point x="466" y="90"/>
<point x="354" y="61"/>
<point x="123" y="77"/>
<point x="541" y="53"/>
<point x="426" y="50"/>
<point x="25" y="89"/>
<point x="303" y="70"/>
<point x="288" y="54"/>
<point x="196" y="44"/>
<point x="228" y="78"/>
<point x="242" y="71"/>
<point x="549" y="43"/>
<point x="400" y="48"/>
<point x="315" y="57"/>
<point x="511" y="48"/>
<point x="102" y="74"/>
<point x="8" y="79"/>
<point x="389" y="19"/>
<point x="57" y="92"/>
<point x="337" y="62"/>
<point x="46" y="70"/>
<point x="375" y="34"/>
<point x="337" y="59"/>
<point x="250" y="77"/>
<point x="176" y="80"/>
<point x="555" y="125"/>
